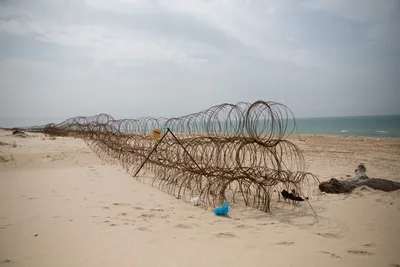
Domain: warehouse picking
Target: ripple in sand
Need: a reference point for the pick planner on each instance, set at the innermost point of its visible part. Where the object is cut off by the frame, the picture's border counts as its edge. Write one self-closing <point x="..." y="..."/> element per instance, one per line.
<point x="156" y="210"/>
<point x="287" y="243"/>
<point x="243" y="226"/>
<point x="330" y="254"/>
<point x="359" y="252"/>
<point x="369" y="245"/>
<point x="329" y="235"/>
<point x="122" y="204"/>
<point x="182" y="226"/>
<point x="4" y="226"/>
<point x="225" y="235"/>
<point x="147" y="216"/>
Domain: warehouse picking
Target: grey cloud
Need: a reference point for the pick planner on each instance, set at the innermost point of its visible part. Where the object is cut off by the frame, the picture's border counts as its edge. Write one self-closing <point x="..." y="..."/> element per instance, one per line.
<point x="66" y="58"/>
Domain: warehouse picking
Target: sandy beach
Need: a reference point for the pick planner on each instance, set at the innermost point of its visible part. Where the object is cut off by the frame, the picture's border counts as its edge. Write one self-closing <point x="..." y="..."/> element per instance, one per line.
<point x="60" y="205"/>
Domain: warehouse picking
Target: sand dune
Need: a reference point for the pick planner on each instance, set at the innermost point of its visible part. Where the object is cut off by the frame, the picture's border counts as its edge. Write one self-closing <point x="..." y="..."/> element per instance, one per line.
<point x="60" y="205"/>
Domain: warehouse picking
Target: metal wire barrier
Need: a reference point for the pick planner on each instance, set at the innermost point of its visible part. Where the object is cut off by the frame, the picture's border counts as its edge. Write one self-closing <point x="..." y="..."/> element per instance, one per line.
<point x="228" y="152"/>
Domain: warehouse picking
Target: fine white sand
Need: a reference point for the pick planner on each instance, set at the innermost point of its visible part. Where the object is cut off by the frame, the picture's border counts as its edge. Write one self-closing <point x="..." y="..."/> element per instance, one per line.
<point x="60" y="205"/>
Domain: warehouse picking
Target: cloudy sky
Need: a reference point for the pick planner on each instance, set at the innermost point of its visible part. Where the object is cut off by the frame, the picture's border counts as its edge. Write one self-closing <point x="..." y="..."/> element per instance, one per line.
<point x="133" y="58"/>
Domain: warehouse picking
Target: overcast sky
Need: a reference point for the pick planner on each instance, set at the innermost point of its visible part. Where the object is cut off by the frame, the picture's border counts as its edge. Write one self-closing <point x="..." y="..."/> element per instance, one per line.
<point x="133" y="58"/>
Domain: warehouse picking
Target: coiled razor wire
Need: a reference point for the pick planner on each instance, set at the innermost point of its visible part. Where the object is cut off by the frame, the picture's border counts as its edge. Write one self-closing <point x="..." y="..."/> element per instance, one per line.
<point x="233" y="152"/>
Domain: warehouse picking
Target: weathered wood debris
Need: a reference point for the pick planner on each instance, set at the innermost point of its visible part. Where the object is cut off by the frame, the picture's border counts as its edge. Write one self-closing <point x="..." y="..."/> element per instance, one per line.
<point x="335" y="186"/>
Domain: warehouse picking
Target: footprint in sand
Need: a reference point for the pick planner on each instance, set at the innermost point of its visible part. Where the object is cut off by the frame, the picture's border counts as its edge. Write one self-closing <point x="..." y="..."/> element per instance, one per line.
<point x="359" y="252"/>
<point x="243" y="226"/>
<point x="4" y="226"/>
<point x="126" y="220"/>
<point x="287" y="243"/>
<point x="147" y="216"/>
<point x="113" y="224"/>
<point x="225" y="235"/>
<point x="182" y="226"/>
<point x="330" y="254"/>
<point x="121" y="204"/>
<point x="369" y="245"/>
<point x="329" y="235"/>
<point x="143" y="229"/>
<point x="384" y="201"/>
<point x="266" y="223"/>
<point x="6" y="261"/>
<point x="156" y="210"/>
<point x="137" y="208"/>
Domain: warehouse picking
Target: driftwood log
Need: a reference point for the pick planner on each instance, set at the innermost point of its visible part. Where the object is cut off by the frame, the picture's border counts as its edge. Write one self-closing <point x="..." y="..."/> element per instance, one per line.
<point x="335" y="186"/>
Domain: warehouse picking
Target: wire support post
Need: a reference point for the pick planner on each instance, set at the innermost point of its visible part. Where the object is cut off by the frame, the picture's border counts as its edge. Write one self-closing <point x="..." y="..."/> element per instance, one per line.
<point x="155" y="147"/>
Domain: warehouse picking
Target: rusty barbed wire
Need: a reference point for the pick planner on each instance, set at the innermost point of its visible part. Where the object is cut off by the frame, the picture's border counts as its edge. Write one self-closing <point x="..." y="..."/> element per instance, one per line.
<point x="240" y="151"/>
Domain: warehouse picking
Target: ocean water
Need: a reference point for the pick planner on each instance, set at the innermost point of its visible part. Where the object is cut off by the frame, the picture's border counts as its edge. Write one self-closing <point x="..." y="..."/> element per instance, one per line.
<point x="377" y="126"/>
<point x="374" y="126"/>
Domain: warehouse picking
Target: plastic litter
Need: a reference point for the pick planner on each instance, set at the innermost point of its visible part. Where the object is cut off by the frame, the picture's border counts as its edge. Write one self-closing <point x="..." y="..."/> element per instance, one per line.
<point x="221" y="210"/>
<point x="195" y="201"/>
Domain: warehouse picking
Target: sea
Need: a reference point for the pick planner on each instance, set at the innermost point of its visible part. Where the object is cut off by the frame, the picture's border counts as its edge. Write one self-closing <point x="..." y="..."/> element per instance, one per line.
<point x="374" y="126"/>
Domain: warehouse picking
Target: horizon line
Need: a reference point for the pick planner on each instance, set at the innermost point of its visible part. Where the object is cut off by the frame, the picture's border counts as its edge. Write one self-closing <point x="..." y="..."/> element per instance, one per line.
<point x="346" y="116"/>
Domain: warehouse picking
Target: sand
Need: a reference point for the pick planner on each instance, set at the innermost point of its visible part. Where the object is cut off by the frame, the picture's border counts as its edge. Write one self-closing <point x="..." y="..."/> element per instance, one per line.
<point x="60" y="205"/>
